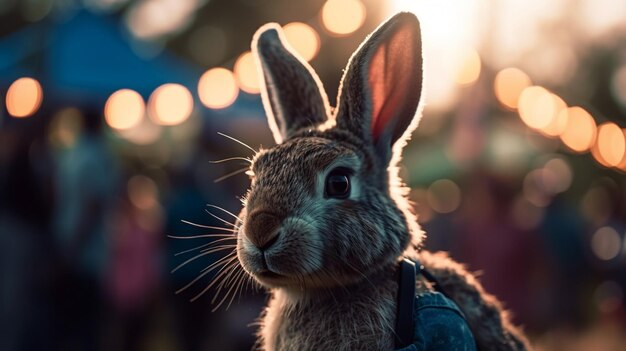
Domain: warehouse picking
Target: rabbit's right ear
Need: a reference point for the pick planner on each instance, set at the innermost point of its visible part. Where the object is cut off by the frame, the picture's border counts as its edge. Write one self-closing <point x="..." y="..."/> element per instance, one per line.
<point x="382" y="84"/>
<point x="292" y="93"/>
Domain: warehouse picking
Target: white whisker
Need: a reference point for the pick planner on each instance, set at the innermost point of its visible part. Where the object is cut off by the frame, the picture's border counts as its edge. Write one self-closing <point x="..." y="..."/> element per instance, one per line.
<point x="221" y="274"/>
<point x="207" y="244"/>
<point x="189" y="250"/>
<point x="221" y="219"/>
<point x="232" y="159"/>
<point x="237" y="141"/>
<point x="206" y="271"/>
<point x="206" y="226"/>
<point x="201" y="236"/>
<point x="204" y="253"/>
<point x="233" y="173"/>
<point x="234" y="292"/>
<point x="225" y="211"/>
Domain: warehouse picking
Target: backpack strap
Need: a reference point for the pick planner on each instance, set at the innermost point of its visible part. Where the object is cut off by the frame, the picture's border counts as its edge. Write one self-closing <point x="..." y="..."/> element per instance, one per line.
<point x="406" y="298"/>
<point x="407" y="276"/>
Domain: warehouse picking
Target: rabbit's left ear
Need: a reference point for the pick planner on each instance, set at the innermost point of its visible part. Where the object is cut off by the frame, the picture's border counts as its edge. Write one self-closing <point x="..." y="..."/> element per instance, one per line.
<point x="292" y="93"/>
<point x="381" y="88"/>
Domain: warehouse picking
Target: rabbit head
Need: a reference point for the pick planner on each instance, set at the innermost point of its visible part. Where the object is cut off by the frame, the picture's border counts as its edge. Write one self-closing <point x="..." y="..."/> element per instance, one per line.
<point x="325" y="206"/>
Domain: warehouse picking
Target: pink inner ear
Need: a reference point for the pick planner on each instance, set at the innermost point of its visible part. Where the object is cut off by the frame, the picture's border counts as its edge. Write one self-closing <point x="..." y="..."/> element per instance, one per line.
<point x="390" y="71"/>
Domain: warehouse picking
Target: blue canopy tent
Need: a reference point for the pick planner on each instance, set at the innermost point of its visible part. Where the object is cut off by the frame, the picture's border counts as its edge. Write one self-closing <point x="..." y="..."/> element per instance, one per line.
<point x="82" y="60"/>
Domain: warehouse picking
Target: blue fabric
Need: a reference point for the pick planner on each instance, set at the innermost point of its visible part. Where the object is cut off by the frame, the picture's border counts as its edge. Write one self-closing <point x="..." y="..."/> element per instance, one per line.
<point x="439" y="325"/>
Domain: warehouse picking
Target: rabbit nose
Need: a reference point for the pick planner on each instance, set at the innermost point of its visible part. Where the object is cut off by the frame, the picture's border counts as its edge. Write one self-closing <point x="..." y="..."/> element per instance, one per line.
<point x="262" y="229"/>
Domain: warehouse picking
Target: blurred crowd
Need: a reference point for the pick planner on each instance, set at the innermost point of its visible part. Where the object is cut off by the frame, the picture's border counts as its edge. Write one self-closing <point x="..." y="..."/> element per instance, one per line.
<point x="93" y="207"/>
<point x="84" y="256"/>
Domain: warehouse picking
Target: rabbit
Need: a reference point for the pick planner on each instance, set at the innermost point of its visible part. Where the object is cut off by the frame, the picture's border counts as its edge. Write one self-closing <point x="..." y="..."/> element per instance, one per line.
<point x="326" y="218"/>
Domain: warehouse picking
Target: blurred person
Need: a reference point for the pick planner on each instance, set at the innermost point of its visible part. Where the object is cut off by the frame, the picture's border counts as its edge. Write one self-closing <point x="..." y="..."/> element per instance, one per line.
<point x="133" y="276"/>
<point x="24" y="235"/>
<point x="85" y="185"/>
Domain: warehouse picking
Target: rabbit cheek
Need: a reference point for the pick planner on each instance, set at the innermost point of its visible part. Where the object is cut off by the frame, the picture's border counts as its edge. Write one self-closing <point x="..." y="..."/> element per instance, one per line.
<point x="298" y="251"/>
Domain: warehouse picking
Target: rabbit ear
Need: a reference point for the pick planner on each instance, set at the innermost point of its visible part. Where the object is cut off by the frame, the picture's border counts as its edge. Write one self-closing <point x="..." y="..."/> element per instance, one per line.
<point x="382" y="84"/>
<point x="292" y="93"/>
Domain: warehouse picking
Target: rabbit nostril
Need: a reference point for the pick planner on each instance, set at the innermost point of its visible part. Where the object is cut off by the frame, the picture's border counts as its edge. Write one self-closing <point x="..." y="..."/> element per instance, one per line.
<point x="262" y="228"/>
<point x="270" y="241"/>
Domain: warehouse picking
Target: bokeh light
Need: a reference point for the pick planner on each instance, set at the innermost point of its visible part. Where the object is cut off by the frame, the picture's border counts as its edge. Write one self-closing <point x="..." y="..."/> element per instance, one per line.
<point x="556" y="175"/>
<point x="537" y="107"/>
<point x="218" y="88"/>
<point x="444" y="196"/>
<point x="170" y="104"/>
<point x="246" y="73"/>
<point x="606" y="243"/>
<point x="150" y="19"/>
<point x="469" y="70"/>
<point x="534" y="189"/>
<point x="508" y="86"/>
<point x="580" y="132"/>
<point x="24" y="97"/>
<point x="595" y="152"/>
<point x="142" y="192"/>
<point x="124" y="109"/>
<point x="559" y="121"/>
<point x="342" y="17"/>
<point x="144" y="133"/>
<point x="611" y="143"/>
<point x="303" y="39"/>
<point x="622" y="165"/>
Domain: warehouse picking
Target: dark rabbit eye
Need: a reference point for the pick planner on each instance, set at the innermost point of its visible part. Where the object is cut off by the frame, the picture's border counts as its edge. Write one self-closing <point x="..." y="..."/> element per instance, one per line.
<point x="338" y="184"/>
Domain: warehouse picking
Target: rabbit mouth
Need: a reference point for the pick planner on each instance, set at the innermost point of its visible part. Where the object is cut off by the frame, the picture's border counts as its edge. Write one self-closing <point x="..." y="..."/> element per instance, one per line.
<point x="269" y="270"/>
<point x="270" y="276"/>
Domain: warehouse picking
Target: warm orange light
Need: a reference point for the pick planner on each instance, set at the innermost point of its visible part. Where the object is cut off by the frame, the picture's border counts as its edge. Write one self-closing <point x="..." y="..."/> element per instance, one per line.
<point x="246" y="73"/>
<point x="170" y="104"/>
<point x="217" y="88"/>
<point x="537" y="107"/>
<point x="508" y="86"/>
<point x="611" y="144"/>
<point x="595" y="152"/>
<point x="342" y="17"/>
<point x="303" y="39"/>
<point x="580" y="132"/>
<point x="24" y="97"/>
<point x="558" y="121"/>
<point x="470" y="68"/>
<point x="124" y="109"/>
<point x="622" y="164"/>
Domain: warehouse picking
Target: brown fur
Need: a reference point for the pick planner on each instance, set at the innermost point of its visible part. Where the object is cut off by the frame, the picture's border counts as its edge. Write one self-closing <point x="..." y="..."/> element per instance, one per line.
<point x="330" y="263"/>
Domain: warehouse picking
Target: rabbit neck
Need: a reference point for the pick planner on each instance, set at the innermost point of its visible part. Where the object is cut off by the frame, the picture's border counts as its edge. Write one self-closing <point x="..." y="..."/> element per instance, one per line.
<point x="360" y="316"/>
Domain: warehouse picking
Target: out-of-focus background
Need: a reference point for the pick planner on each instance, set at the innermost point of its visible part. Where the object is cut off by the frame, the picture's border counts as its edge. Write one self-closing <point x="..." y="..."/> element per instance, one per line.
<point x="108" y="125"/>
